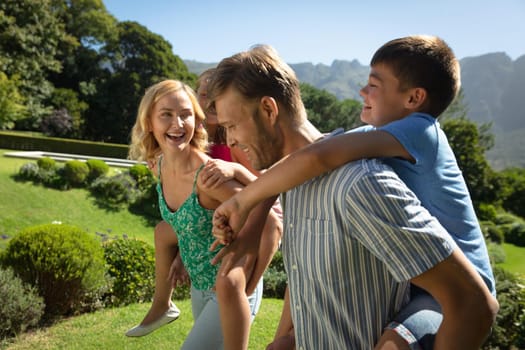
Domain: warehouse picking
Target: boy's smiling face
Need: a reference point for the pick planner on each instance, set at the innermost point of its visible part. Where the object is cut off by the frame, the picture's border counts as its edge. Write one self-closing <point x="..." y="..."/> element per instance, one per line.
<point x="383" y="99"/>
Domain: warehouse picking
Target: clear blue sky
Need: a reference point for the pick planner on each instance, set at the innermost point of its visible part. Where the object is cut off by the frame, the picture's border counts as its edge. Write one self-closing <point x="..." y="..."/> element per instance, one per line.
<point x="321" y="31"/>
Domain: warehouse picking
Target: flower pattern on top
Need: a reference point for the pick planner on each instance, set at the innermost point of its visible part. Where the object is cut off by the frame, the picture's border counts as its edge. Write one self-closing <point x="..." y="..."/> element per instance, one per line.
<point x="192" y="224"/>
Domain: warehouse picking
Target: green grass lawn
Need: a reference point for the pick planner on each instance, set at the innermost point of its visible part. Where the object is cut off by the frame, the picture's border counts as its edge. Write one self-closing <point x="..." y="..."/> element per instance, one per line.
<point x="514" y="259"/>
<point x="24" y="204"/>
<point x="105" y="330"/>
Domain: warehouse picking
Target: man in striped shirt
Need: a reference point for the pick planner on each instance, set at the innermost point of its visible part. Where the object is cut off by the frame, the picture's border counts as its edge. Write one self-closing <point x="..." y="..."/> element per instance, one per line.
<point x="354" y="238"/>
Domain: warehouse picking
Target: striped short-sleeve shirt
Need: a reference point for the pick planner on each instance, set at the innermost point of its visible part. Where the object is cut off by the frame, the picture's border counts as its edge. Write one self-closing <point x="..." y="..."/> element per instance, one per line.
<point x="353" y="239"/>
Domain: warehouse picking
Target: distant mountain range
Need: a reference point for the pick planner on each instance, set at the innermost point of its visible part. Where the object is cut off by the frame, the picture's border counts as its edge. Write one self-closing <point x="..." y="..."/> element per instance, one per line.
<point x="493" y="85"/>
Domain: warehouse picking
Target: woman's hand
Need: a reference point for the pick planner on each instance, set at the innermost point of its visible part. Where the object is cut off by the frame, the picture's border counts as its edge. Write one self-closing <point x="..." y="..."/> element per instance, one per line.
<point x="178" y="276"/>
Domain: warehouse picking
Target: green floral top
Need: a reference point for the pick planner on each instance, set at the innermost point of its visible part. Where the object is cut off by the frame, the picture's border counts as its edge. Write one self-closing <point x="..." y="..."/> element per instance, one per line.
<point x="193" y="225"/>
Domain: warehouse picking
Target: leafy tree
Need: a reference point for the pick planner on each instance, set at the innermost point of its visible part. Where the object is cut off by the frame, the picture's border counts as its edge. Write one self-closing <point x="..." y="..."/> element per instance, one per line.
<point x="67" y="101"/>
<point x="59" y="123"/>
<point x="468" y="146"/>
<point x="87" y="21"/>
<point x="458" y="109"/>
<point x="89" y="27"/>
<point x="135" y="61"/>
<point x="347" y="114"/>
<point x="326" y="112"/>
<point x="11" y="102"/>
<point x="29" y="39"/>
<point x="514" y="180"/>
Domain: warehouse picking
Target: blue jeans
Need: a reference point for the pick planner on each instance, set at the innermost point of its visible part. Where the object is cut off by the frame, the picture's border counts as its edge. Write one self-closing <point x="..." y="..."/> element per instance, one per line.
<point x="419" y="320"/>
<point x="206" y="332"/>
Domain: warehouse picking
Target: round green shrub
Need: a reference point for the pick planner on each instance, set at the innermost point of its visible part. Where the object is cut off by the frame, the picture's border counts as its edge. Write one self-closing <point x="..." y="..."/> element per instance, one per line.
<point x="29" y="171"/>
<point x="275" y="279"/>
<point x="114" y="191"/>
<point x="274" y="283"/>
<point x="509" y="329"/>
<point x="21" y="307"/>
<point x="516" y="235"/>
<point x="131" y="265"/>
<point x="143" y="176"/>
<point x="486" y="212"/>
<point x="76" y="172"/>
<point x="147" y="204"/>
<point x="63" y="262"/>
<point x="97" y="168"/>
<point x="46" y="163"/>
<point x="53" y="178"/>
<point x="492" y="232"/>
<point x="139" y="170"/>
<point x="505" y="218"/>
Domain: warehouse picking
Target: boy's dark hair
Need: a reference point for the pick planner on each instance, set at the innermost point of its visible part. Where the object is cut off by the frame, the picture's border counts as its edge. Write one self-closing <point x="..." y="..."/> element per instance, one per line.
<point x="423" y="61"/>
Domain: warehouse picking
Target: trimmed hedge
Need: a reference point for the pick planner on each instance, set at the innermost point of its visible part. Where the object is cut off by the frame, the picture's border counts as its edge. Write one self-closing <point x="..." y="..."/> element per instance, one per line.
<point x="20" y="142"/>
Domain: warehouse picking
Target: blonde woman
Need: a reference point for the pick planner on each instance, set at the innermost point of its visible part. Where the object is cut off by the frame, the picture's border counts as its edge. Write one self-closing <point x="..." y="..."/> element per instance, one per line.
<point x="169" y="122"/>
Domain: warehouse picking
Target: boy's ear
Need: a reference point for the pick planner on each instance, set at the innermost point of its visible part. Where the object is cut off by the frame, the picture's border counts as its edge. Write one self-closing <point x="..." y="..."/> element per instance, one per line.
<point x="269" y="108"/>
<point x="417" y="98"/>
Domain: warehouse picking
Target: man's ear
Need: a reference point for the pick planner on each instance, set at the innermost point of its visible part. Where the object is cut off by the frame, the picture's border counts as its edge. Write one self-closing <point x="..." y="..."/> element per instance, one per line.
<point x="418" y="96"/>
<point x="269" y="108"/>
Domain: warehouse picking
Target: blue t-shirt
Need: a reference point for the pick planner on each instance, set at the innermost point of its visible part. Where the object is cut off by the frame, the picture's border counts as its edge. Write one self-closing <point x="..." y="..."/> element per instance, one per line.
<point x="437" y="181"/>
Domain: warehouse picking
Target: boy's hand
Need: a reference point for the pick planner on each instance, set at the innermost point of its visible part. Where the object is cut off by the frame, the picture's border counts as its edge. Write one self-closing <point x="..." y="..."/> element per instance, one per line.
<point x="217" y="172"/>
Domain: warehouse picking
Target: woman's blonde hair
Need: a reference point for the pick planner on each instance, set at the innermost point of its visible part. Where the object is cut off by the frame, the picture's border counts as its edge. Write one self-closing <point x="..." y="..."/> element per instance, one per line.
<point x="143" y="144"/>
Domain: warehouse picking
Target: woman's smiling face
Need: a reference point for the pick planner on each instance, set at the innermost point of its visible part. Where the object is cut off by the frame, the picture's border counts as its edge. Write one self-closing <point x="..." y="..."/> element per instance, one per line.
<point x="173" y="121"/>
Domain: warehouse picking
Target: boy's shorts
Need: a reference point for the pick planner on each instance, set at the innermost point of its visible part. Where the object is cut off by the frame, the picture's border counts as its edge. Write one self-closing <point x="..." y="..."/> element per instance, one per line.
<point x="419" y="320"/>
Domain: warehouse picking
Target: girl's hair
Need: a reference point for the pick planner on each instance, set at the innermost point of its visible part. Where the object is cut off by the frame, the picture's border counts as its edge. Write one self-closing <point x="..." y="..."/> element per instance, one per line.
<point x="143" y="144"/>
<point x="204" y="77"/>
<point x="220" y="133"/>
